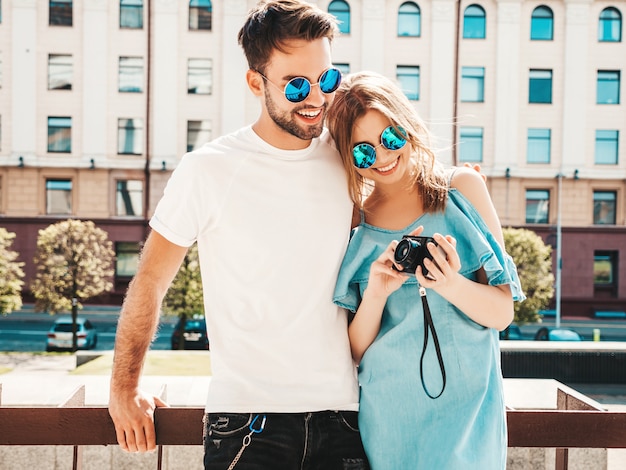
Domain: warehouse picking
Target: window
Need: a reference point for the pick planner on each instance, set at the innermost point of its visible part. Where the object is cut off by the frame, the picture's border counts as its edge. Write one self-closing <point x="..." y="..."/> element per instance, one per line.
<point x="341" y="11"/>
<point x="605" y="269"/>
<point x="131" y="14"/>
<point x="606" y="147"/>
<point x="59" y="72"/>
<point x="542" y="24"/>
<point x="60" y="134"/>
<point x="130" y="136"/>
<point x="344" y="68"/>
<point x="200" y="14"/>
<point x="60" y="13"/>
<point x="198" y="133"/>
<point x="540" y="86"/>
<point x="537" y="206"/>
<point x="604" y="207"/>
<point x="610" y="25"/>
<point x="129" y="198"/>
<point x="409" y="20"/>
<point x="474" y="22"/>
<point x="131" y="75"/>
<point x="126" y="258"/>
<point x="473" y="84"/>
<point x="608" y="87"/>
<point x="58" y="197"/>
<point x="199" y="76"/>
<point x="538" y="146"/>
<point x="471" y="144"/>
<point x="409" y="80"/>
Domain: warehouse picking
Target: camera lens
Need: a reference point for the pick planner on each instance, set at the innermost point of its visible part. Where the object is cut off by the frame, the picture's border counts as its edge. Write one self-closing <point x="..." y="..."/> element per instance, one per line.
<point x="406" y="251"/>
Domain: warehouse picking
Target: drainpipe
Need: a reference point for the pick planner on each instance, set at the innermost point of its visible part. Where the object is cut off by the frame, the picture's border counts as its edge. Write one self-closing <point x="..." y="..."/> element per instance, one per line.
<point x="455" y="104"/>
<point x="147" y="146"/>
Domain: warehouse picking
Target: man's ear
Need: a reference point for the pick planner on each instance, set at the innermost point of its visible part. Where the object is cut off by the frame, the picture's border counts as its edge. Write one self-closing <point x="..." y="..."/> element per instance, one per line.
<point x="255" y="82"/>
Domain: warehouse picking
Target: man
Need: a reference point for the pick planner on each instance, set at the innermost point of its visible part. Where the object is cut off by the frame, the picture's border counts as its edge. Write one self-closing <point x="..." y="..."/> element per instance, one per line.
<point x="269" y="208"/>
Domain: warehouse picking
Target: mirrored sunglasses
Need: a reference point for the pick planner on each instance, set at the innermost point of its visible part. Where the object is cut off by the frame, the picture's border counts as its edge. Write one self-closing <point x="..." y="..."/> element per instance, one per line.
<point x="391" y="138"/>
<point x="299" y="88"/>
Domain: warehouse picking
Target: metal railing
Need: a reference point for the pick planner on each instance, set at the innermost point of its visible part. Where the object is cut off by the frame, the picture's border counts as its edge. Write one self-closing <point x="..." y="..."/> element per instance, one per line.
<point x="577" y="422"/>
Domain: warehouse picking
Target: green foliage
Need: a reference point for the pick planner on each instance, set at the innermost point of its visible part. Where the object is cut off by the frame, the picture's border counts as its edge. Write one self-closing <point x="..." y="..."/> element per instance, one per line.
<point x="74" y="259"/>
<point x="184" y="297"/>
<point x="534" y="266"/>
<point x="11" y="274"/>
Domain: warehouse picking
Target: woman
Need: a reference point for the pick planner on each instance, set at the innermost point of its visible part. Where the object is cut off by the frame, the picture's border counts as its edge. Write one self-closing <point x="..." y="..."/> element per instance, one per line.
<point x="427" y="346"/>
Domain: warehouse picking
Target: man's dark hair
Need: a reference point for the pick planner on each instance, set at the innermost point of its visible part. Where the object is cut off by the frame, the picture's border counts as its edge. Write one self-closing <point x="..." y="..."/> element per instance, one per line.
<point x="271" y="23"/>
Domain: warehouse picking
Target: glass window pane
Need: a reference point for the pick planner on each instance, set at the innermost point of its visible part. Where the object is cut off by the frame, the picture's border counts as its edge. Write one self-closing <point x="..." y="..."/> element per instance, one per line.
<point x="474" y="23"/>
<point x="60" y="134"/>
<point x="129" y="198"/>
<point x="541" y="24"/>
<point x="608" y="87"/>
<point x="604" y="207"/>
<point x="471" y="144"/>
<point x="473" y="84"/>
<point x="408" y="77"/>
<point x="126" y="258"/>
<point x="538" y="150"/>
<point x="198" y="133"/>
<point x="131" y="74"/>
<point x="341" y="11"/>
<point x="344" y="68"/>
<point x="131" y="14"/>
<point x="58" y="197"/>
<point x="199" y="76"/>
<point x="540" y="86"/>
<point x="60" y="13"/>
<point x="60" y="72"/>
<point x="537" y="206"/>
<point x="610" y="25"/>
<point x="409" y="20"/>
<point x="130" y="136"/>
<point x="603" y="268"/>
<point x="607" y="144"/>
<point x="200" y="15"/>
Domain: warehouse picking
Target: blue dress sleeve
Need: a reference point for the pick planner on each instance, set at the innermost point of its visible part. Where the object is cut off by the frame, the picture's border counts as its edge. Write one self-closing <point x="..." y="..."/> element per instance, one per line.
<point x="497" y="263"/>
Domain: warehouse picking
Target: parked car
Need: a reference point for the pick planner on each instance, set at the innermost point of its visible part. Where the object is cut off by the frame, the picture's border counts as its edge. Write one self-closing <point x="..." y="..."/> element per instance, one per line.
<point x="60" y="335"/>
<point x="557" y="334"/>
<point x="195" y="335"/>
<point x="512" y="332"/>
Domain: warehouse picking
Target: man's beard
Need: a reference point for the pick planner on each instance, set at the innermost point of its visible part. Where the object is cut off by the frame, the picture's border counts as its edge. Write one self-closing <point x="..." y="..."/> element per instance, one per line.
<point x="285" y="121"/>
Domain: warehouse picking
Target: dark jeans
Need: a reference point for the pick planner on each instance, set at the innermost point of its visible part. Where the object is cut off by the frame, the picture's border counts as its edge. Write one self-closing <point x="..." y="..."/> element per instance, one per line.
<point x="325" y="440"/>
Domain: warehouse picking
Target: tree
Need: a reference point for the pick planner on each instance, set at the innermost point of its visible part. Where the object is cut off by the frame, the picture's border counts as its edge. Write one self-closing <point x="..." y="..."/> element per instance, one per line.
<point x="184" y="297"/>
<point x="534" y="266"/>
<point x="11" y="274"/>
<point x="74" y="262"/>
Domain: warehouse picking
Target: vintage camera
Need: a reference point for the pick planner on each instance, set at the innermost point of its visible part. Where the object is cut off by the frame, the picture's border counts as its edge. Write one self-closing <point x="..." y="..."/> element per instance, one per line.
<point x="411" y="252"/>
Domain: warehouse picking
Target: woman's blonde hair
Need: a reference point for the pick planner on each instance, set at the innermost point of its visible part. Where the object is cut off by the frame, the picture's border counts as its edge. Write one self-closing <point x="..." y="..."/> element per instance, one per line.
<point x="366" y="91"/>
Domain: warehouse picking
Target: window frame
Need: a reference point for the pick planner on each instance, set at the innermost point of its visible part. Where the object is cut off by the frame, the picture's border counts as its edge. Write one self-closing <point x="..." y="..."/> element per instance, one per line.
<point x="131" y="73"/>
<point x="538" y="142"/>
<point x="129" y="197"/>
<point x="123" y="132"/>
<point x="200" y="128"/>
<point x="65" y="188"/>
<point x="58" y="13"/>
<point x="597" y="201"/>
<point x="474" y="22"/>
<point x="541" y="208"/>
<point x="472" y="84"/>
<point x="409" y="82"/>
<point x="542" y="24"/>
<point x="535" y="94"/>
<point x="608" y="87"/>
<point x="409" y="15"/>
<point x="126" y="253"/>
<point x="57" y="68"/>
<point x="131" y="14"/>
<point x="59" y="131"/>
<point x="196" y="77"/>
<point x="471" y="139"/>
<point x="606" y="148"/>
<point x="611" y="22"/>
<point x="340" y="9"/>
<point x="200" y="14"/>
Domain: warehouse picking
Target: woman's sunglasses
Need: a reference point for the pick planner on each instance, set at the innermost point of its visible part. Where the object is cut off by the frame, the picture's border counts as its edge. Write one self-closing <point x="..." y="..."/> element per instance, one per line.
<point x="391" y="138"/>
<point x="299" y="88"/>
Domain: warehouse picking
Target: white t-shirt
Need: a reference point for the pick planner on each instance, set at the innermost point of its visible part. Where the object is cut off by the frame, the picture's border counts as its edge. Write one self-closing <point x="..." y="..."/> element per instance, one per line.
<point x="272" y="227"/>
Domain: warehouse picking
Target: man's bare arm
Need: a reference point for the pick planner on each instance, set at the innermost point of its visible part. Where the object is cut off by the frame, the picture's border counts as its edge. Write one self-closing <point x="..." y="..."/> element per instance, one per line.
<point x="132" y="410"/>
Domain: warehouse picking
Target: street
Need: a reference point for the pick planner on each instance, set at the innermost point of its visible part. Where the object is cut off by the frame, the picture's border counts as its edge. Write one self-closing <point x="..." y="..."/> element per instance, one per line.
<point x="26" y="331"/>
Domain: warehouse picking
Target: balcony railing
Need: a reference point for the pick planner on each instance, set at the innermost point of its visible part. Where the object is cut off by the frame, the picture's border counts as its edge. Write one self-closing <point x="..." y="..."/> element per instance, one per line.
<point x="577" y="422"/>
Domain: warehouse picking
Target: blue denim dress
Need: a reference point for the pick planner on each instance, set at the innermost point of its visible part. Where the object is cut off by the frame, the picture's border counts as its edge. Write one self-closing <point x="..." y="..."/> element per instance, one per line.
<point x="401" y="426"/>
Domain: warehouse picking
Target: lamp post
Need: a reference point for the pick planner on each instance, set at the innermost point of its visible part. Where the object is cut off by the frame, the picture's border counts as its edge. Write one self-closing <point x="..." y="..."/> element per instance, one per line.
<point x="557" y="287"/>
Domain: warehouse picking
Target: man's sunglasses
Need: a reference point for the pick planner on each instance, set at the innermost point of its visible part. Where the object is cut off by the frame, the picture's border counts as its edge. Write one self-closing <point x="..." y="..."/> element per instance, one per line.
<point x="391" y="138"/>
<point x="299" y="88"/>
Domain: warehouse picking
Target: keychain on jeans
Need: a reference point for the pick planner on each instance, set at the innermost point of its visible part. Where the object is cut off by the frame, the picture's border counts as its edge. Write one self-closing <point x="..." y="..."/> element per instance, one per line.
<point x="247" y="439"/>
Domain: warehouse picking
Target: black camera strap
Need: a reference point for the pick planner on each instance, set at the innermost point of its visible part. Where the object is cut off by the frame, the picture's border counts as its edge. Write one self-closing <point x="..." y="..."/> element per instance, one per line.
<point x="429" y="327"/>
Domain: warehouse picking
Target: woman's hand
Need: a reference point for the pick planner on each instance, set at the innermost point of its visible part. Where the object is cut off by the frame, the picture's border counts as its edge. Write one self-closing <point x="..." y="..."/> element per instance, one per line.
<point x="445" y="265"/>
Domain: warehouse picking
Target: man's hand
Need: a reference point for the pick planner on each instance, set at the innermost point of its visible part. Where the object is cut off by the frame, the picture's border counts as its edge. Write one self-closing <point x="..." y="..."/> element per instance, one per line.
<point x="475" y="167"/>
<point x="133" y="417"/>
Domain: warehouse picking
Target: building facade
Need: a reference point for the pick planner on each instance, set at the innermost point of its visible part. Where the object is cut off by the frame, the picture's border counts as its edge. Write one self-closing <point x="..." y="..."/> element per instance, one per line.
<point x="100" y="99"/>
